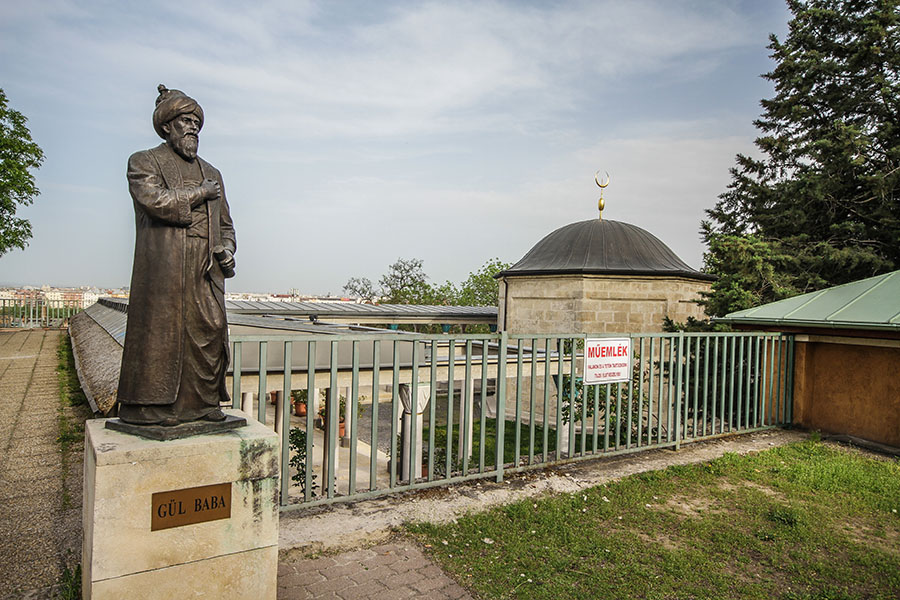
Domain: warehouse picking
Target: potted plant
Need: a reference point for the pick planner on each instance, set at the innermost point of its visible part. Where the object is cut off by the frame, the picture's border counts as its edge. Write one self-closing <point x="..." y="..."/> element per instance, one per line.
<point x="298" y="399"/>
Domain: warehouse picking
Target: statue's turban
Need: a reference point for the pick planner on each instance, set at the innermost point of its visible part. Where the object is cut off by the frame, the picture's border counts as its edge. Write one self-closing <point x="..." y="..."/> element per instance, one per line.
<point x="170" y="104"/>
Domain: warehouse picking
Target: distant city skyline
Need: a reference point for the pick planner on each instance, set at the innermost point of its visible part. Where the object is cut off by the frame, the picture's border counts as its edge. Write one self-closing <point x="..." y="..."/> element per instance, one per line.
<point x="120" y="290"/>
<point x="351" y="134"/>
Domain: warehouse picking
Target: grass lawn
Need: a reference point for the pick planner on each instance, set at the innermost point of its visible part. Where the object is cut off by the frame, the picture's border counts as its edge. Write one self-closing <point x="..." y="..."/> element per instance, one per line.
<point x="803" y="521"/>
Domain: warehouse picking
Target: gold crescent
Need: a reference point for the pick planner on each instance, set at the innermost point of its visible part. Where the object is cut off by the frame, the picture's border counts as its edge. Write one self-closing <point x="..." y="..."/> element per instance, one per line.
<point x="596" y="178"/>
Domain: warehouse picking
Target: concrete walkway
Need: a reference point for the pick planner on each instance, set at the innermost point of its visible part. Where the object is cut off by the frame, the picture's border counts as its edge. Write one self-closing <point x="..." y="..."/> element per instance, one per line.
<point x="40" y="525"/>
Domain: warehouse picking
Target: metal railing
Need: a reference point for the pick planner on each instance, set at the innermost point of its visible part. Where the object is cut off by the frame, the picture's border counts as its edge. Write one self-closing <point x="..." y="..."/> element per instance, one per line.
<point x="425" y="410"/>
<point x="37" y="312"/>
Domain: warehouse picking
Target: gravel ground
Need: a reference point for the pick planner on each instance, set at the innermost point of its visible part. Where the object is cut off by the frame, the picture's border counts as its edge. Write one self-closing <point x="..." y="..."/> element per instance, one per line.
<point x="40" y="533"/>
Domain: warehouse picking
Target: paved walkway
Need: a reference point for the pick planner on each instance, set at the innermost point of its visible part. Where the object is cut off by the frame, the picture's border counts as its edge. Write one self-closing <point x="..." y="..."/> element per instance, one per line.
<point x="40" y="531"/>
<point x="385" y="572"/>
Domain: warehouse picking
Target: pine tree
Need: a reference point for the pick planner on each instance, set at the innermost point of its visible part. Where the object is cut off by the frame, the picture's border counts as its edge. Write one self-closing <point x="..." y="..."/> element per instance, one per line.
<point x="820" y="208"/>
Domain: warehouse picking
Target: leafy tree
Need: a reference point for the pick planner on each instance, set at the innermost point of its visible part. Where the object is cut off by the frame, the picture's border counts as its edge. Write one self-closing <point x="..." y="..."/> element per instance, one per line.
<point x="362" y="288"/>
<point x="445" y="294"/>
<point x="481" y="288"/>
<point x="405" y="282"/>
<point x="820" y="207"/>
<point x="18" y="154"/>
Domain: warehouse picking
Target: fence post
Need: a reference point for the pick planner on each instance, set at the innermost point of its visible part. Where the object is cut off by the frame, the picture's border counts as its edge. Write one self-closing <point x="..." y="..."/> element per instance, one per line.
<point x="678" y="380"/>
<point x="236" y="376"/>
<point x="247" y="403"/>
<point x="501" y="402"/>
<point x="279" y="400"/>
<point x="286" y="402"/>
<point x="263" y="391"/>
<point x="332" y="421"/>
<point x="789" y="381"/>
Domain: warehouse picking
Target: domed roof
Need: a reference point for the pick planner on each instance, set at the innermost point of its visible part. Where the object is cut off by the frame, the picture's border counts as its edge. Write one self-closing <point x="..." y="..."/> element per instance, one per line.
<point x="602" y="247"/>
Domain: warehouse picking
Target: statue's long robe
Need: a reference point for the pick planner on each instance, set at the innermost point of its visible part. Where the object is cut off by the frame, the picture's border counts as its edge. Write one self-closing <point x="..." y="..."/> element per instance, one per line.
<point x="176" y="342"/>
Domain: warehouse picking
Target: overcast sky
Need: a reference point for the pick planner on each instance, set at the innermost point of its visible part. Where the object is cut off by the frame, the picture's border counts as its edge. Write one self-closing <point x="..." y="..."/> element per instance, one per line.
<point x="350" y="134"/>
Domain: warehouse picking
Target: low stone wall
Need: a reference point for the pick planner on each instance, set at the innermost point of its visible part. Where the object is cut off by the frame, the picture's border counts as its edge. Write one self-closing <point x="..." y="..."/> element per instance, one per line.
<point x="98" y="359"/>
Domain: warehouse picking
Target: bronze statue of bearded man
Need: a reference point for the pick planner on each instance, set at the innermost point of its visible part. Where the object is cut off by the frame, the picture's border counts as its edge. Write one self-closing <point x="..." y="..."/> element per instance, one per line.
<point x="176" y="343"/>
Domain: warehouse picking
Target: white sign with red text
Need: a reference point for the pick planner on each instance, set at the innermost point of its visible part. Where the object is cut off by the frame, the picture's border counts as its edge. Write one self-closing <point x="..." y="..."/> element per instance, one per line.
<point x="607" y="360"/>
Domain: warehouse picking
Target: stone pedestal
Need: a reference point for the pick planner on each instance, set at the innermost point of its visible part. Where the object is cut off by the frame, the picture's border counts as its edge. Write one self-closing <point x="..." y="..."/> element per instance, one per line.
<point x="138" y="491"/>
<point x="424" y="394"/>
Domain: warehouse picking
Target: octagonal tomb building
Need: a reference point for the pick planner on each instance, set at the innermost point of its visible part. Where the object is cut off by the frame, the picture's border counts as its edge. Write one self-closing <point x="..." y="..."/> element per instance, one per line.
<point x="599" y="276"/>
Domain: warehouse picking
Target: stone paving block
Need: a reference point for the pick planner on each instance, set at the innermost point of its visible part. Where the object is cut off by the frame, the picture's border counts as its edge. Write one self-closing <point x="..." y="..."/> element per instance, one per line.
<point x="456" y="592"/>
<point x="314" y="564"/>
<point x="328" y="585"/>
<point x="398" y="580"/>
<point x="300" y="579"/>
<point x="292" y="594"/>
<point x="340" y="570"/>
<point x="427" y="584"/>
<point x="394" y="594"/>
<point x="360" y="592"/>
<point x="365" y="575"/>
<point x="415" y="562"/>
<point x="385" y="559"/>
<point x="328" y="596"/>
<point x="432" y="570"/>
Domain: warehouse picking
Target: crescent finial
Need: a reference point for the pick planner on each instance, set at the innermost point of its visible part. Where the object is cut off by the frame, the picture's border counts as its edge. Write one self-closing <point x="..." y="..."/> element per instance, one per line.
<point x="601" y="185"/>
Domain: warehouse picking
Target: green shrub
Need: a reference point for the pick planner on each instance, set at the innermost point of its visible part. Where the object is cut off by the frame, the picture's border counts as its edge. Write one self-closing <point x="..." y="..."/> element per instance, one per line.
<point x="297" y="444"/>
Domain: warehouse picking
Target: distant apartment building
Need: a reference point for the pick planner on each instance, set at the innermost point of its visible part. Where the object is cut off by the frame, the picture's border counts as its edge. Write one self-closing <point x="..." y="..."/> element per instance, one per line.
<point x="90" y="298"/>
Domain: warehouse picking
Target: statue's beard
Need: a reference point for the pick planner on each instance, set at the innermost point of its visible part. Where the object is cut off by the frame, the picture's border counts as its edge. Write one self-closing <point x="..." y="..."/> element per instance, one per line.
<point x="185" y="146"/>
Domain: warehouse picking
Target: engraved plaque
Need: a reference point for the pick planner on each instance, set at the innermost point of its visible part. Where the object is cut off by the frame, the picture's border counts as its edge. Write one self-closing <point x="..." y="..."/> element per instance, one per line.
<point x="192" y="505"/>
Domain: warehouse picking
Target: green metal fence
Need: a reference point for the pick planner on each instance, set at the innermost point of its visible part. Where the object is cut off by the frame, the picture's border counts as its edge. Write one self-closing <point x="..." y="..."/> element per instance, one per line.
<point x="425" y="410"/>
<point x="37" y="312"/>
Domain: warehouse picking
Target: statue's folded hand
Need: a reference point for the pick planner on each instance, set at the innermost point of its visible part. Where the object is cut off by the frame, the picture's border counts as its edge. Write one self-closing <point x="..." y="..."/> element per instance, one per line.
<point x="209" y="189"/>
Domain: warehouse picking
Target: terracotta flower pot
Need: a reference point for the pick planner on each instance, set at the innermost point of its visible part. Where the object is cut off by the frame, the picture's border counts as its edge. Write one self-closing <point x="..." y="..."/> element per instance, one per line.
<point x="300" y="409"/>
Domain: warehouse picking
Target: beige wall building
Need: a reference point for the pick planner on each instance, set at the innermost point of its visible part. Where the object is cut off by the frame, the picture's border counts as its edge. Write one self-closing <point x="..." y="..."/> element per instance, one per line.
<point x="598" y="276"/>
<point x="846" y="357"/>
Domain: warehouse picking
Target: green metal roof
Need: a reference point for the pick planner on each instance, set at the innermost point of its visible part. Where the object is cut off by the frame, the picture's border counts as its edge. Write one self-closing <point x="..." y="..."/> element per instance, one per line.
<point x="872" y="303"/>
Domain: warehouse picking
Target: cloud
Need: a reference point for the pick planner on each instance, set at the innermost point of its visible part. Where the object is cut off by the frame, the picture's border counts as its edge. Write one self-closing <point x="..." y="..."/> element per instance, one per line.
<point x="353" y="133"/>
<point x="360" y="224"/>
<point x="430" y="68"/>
